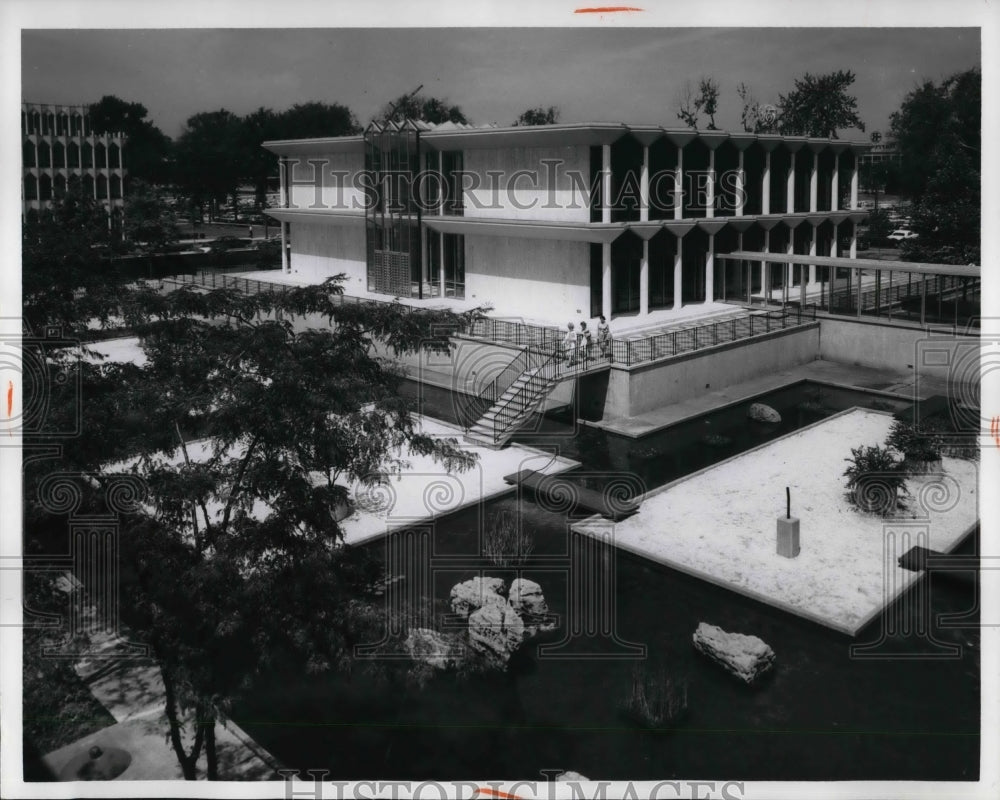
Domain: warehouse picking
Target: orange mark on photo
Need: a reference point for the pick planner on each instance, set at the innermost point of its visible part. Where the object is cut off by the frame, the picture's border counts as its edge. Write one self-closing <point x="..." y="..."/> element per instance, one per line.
<point x="607" y="9"/>
<point x="10" y="398"/>
<point x="995" y="430"/>
<point x="495" y="793"/>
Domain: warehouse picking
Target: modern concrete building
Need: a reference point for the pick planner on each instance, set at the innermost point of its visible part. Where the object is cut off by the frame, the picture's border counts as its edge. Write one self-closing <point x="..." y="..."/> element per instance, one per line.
<point x="59" y="143"/>
<point x="555" y="222"/>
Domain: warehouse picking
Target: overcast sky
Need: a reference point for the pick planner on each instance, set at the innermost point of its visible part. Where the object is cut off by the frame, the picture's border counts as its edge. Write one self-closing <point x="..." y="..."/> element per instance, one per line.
<point x="591" y="74"/>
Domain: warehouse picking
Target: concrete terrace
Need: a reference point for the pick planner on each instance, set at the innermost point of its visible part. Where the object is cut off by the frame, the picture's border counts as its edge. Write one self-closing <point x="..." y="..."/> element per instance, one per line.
<point x="718" y="524"/>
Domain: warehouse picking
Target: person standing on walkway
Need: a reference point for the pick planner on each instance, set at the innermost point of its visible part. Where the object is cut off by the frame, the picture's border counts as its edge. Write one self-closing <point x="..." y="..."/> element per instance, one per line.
<point x="603" y="337"/>
<point x="586" y="340"/>
<point x="569" y="345"/>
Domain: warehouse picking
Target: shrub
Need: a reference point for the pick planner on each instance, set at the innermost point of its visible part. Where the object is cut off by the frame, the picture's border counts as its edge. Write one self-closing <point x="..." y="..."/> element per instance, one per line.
<point x="875" y="480"/>
<point x="918" y="448"/>
<point x="506" y="541"/>
<point x="655" y="700"/>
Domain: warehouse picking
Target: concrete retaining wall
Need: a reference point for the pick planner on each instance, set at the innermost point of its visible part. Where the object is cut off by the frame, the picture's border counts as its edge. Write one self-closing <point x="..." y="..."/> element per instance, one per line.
<point x="881" y="346"/>
<point x="646" y="388"/>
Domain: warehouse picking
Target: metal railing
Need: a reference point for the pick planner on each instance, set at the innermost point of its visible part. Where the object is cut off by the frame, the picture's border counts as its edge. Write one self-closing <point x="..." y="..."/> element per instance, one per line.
<point x="521" y="402"/>
<point x="630" y="352"/>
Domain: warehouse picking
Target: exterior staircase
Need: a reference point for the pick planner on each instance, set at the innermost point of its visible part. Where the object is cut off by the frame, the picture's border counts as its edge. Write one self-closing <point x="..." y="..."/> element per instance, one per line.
<point x="514" y="405"/>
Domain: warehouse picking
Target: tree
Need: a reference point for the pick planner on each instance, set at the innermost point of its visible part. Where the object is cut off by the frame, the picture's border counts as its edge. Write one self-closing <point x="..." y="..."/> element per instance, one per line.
<point x="819" y="105"/>
<point x="248" y="429"/>
<point x="706" y="101"/>
<point x="937" y="132"/>
<point x="147" y="149"/>
<point x="756" y="117"/>
<point x="209" y="158"/>
<point x="150" y="224"/>
<point x="419" y="107"/>
<point x="538" y="116"/>
<point x="67" y="277"/>
<point x="301" y="121"/>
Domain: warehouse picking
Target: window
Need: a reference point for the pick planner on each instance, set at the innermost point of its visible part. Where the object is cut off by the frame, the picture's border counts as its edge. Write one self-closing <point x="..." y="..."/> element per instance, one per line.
<point x="454" y="265"/>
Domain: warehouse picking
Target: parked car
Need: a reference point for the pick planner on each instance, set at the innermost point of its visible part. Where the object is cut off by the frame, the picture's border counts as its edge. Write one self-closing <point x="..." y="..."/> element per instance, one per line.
<point x="224" y="243"/>
<point x="901" y="235"/>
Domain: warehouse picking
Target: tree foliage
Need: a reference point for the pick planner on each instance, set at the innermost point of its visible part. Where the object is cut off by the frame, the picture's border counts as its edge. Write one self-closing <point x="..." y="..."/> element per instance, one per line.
<point x="819" y="105"/>
<point x="418" y="107"/>
<point x="147" y="148"/>
<point x="693" y="104"/>
<point x="209" y="156"/>
<point x="755" y="117"/>
<point x="150" y="224"/>
<point x="538" y="116"/>
<point x="937" y="132"/>
<point x="252" y="420"/>
<point x="67" y="277"/>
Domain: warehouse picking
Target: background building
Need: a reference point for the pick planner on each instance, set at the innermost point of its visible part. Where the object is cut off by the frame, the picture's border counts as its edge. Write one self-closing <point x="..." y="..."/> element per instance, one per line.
<point x="59" y="143"/>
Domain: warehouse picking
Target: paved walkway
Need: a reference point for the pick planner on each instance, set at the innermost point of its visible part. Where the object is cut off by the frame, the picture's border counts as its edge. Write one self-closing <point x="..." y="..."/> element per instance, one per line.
<point x="131" y="688"/>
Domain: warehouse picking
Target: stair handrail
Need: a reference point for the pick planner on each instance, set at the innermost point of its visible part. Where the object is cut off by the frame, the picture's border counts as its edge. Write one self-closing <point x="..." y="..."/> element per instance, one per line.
<point x="547" y="371"/>
<point x="494" y="390"/>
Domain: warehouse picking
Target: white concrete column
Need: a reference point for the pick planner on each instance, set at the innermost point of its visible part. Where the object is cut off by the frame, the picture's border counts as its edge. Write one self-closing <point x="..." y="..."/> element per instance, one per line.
<point x="441" y="263"/>
<point x="765" y="290"/>
<point x="833" y="242"/>
<point x="443" y="184"/>
<point x="812" y="252"/>
<point x="854" y="183"/>
<point x="606" y="279"/>
<point x="710" y="269"/>
<point x="282" y="192"/>
<point x="835" y="183"/>
<point x="814" y="185"/>
<point x="710" y="200"/>
<point x="644" y="186"/>
<point x="765" y="185"/>
<point x="741" y="181"/>
<point x="678" y="269"/>
<point x="606" y="187"/>
<point x="679" y="208"/>
<point x="790" y="250"/>
<point x="854" y="240"/>
<point x="286" y="267"/>
<point x="790" y="187"/>
<point x="644" y="279"/>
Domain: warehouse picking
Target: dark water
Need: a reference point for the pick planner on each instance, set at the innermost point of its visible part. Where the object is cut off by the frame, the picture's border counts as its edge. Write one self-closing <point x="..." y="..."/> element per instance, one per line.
<point x="897" y="711"/>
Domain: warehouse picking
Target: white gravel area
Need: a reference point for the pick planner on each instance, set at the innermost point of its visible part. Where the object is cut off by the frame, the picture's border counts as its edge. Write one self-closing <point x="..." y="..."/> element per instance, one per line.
<point x="720" y="524"/>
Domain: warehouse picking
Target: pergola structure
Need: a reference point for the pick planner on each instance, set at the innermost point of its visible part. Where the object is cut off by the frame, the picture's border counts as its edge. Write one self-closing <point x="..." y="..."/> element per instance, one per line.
<point x="872" y="286"/>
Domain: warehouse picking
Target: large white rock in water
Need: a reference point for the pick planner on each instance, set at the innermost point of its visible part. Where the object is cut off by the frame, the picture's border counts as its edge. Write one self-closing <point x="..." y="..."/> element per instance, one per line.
<point x="759" y="412"/>
<point x="430" y="647"/>
<point x="497" y="631"/>
<point x="526" y="597"/>
<point x="470" y="595"/>
<point x="746" y="657"/>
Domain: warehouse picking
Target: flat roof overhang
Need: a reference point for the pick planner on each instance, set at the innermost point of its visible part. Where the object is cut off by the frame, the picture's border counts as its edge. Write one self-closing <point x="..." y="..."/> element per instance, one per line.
<point x="322" y="216"/>
<point x="331" y="144"/>
<point x="957" y="270"/>
<point x="598" y="233"/>
<point x="591" y="133"/>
